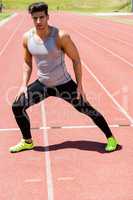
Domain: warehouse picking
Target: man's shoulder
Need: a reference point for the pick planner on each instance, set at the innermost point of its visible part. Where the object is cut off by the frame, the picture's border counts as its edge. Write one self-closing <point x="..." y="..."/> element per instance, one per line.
<point x="28" y="33"/>
<point x="63" y="38"/>
<point x="25" y="37"/>
<point x="63" y="35"/>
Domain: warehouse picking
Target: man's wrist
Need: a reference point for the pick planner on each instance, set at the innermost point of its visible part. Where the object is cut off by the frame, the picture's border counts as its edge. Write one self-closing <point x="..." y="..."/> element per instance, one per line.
<point x="23" y="85"/>
<point x="79" y="84"/>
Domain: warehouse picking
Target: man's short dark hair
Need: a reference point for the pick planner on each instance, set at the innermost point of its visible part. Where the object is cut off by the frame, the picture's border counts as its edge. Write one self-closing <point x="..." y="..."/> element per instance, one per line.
<point x="38" y="7"/>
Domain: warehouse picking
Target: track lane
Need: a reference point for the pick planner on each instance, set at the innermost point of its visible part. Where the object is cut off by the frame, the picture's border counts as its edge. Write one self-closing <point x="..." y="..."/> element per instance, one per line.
<point x="68" y="159"/>
<point x="113" y="67"/>
<point x="23" y="173"/>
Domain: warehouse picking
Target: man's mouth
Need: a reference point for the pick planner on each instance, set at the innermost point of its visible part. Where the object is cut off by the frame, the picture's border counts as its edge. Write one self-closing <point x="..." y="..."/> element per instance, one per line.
<point x="39" y="25"/>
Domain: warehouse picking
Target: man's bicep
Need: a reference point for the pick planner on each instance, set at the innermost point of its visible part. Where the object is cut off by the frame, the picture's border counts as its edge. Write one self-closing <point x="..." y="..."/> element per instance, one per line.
<point x="27" y="55"/>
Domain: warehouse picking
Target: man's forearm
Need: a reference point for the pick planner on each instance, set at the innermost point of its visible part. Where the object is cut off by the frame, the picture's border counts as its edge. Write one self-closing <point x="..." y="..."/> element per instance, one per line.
<point x="26" y="74"/>
<point x="78" y="71"/>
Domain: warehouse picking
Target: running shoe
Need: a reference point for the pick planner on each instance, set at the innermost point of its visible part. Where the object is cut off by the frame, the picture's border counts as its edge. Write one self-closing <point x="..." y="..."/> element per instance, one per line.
<point x="111" y="144"/>
<point x="22" y="145"/>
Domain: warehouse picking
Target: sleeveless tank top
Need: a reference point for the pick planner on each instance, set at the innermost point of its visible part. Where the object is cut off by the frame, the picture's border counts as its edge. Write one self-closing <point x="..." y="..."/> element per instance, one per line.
<point x="51" y="67"/>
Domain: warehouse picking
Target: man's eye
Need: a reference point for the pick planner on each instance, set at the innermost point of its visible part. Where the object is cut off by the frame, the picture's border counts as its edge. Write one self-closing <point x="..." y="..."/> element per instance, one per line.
<point x="42" y="17"/>
<point x="35" y="18"/>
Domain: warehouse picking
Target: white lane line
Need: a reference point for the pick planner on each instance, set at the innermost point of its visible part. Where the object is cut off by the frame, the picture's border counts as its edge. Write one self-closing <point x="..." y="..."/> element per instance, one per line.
<point x="86" y="126"/>
<point x="119" y="31"/>
<point x="99" y="82"/>
<point x="65" y="178"/>
<point x="11" y="37"/>
<point x="9" y="129"/>
<point x="66" y="127"/>
<point x="108" y="93"/>
<point x="111" y="14"/>
<point x="109" y="37"/>
<point x="32" y="180"/>
<point x="4" y="21"/>
<point x="47" y="156"/>
<point x="106" y="49"/>
<point x="106" y="35"/>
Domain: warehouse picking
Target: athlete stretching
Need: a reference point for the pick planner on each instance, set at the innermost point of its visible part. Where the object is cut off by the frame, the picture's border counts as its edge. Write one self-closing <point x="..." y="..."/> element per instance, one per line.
<point x="48" y="45"/>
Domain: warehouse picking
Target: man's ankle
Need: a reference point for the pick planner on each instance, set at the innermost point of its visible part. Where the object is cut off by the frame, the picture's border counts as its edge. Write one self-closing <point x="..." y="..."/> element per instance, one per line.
<point x="29" y="141"/>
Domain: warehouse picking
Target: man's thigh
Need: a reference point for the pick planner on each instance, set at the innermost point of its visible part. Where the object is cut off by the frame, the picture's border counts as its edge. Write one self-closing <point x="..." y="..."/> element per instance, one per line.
<point x="68" y="91"/>
<point x="36" y="92"/>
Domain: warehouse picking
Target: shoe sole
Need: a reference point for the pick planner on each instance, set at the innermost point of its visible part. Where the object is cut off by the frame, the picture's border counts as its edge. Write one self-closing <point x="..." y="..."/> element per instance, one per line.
<point x="21" y="150"/>
<point x="112" y="149"/>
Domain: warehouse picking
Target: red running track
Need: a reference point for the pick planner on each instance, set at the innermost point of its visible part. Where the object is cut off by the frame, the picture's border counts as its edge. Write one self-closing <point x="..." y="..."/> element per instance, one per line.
<point x="69" y="160"/>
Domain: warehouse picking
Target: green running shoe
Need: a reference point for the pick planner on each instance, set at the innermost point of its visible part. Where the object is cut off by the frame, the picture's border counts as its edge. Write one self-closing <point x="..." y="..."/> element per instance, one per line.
<point x="22" y="145"/>
<point x="111" y="144"/>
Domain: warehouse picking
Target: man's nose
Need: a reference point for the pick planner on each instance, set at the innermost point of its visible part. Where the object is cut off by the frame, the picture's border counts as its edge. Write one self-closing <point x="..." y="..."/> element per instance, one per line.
<point x="38" y="20"/>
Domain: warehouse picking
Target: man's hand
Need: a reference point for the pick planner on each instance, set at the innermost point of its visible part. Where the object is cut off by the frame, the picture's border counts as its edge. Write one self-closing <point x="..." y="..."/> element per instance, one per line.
<point x="22" y="90"/>
<point x="80" y="93"/>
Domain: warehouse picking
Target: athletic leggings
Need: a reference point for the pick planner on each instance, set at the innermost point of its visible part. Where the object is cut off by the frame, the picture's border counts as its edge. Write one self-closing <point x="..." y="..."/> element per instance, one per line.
<point x="68" y="91"/>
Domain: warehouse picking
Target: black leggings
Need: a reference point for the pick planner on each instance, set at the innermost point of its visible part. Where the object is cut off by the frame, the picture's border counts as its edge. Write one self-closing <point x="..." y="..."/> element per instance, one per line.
<point x="68" y="91"/>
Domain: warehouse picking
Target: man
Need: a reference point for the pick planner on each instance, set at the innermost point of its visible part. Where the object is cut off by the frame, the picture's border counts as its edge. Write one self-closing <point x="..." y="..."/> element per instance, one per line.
<point x="48" y="45"/>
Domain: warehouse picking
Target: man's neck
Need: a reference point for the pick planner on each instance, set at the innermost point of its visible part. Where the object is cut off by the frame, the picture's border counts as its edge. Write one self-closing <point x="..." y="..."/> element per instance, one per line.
<point x="43" y="33"/>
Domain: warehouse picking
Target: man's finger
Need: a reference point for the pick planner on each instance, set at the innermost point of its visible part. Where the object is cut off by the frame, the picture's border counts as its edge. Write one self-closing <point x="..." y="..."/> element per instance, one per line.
<point x="26" y="94"/>
<point x="85" y="99"/>
<point x="17" y="97"/>
<point x="78" y="95"/>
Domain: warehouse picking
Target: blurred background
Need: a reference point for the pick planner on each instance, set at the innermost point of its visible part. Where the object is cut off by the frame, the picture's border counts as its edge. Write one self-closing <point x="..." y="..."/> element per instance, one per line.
<point x="71" y="5"/>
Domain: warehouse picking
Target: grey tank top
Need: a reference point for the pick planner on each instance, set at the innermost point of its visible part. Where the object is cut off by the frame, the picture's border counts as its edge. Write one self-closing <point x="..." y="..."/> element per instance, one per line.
<point x="49" y="59"/>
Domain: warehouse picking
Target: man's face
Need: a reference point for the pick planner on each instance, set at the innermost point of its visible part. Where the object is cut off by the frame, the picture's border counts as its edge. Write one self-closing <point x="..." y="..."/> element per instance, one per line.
<point x="40" y="20"/>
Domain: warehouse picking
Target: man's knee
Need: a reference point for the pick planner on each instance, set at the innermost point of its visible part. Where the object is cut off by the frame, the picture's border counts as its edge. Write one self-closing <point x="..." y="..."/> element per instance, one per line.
<point x="87" y="109"/>
<point x="17" y="108"/>
<point x="82" y="106"/>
